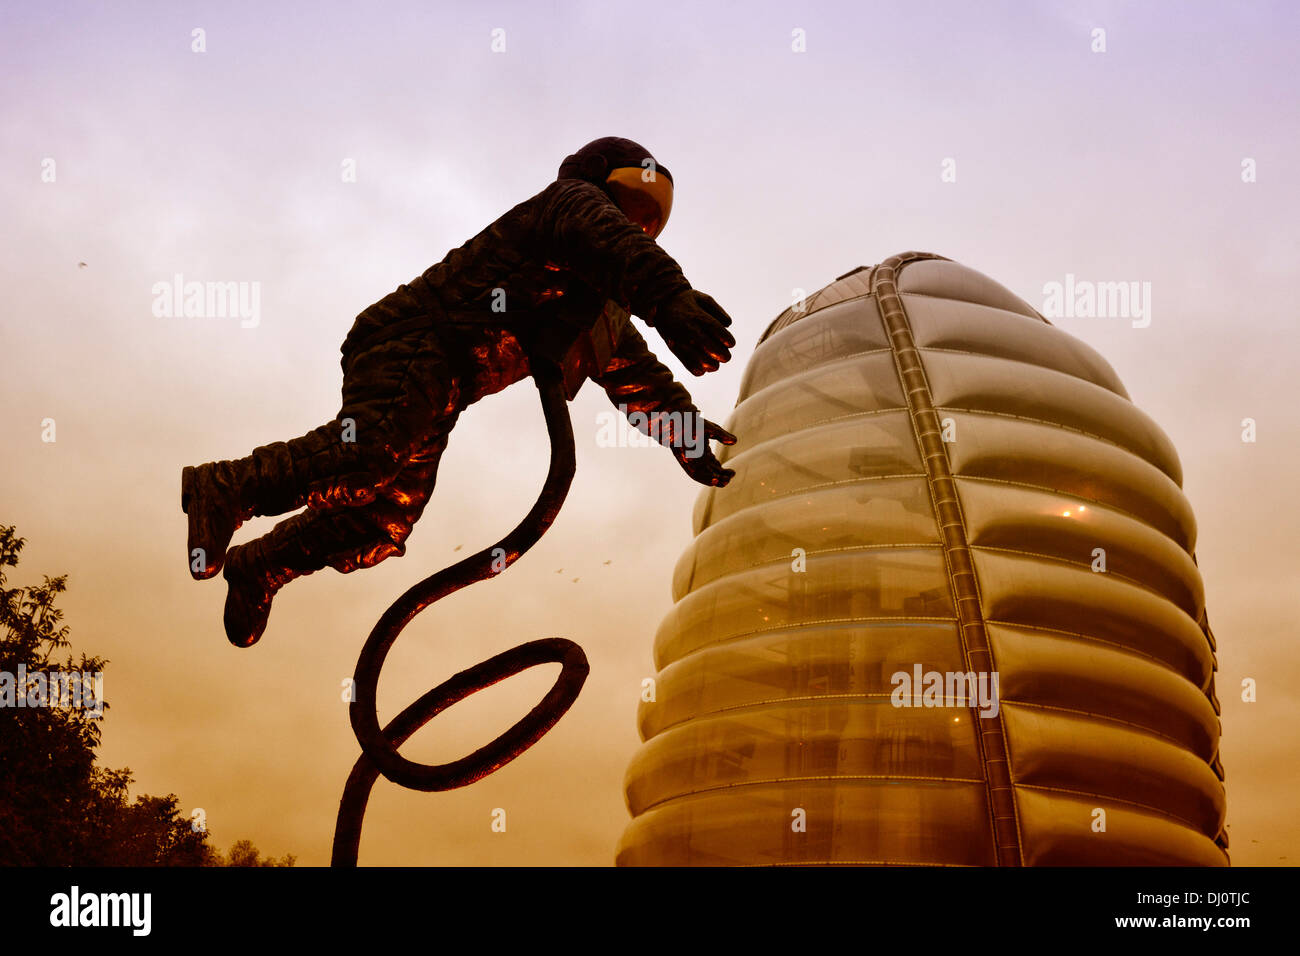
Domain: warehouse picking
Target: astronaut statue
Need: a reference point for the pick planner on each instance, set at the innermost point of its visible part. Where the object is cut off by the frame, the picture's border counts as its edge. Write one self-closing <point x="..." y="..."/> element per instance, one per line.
<point x="557" y="275"/>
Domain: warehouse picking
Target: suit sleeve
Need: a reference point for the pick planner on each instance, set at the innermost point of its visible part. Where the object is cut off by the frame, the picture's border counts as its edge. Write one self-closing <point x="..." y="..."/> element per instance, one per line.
<point x="583" y="229"/>
<point x="638" y="382"/>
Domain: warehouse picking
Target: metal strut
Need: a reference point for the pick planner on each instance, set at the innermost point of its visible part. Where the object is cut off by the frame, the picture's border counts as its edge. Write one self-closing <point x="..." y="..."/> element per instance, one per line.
<point x="379" y="747"/>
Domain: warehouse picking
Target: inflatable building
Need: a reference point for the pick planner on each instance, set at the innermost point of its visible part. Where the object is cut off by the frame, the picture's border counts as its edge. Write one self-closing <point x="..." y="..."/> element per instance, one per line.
<point x="947" y="613"/>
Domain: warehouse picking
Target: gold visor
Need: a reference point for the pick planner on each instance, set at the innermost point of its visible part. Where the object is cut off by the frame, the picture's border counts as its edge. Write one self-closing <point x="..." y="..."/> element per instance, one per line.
<point x="644" y="196"/>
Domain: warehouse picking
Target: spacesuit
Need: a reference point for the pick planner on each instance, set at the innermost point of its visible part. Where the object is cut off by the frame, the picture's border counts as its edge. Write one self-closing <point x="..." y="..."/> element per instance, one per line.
<point x="556" y="275"/>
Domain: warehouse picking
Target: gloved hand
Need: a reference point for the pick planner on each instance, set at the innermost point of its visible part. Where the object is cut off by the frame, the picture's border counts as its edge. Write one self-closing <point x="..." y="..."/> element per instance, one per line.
<point x="695" y="329"/>
<point x="705" y="467"/>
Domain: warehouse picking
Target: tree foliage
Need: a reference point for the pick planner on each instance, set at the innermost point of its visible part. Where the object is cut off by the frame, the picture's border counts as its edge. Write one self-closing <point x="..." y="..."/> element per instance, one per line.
<point x="57" y="807"/>
<point x="243" y="853"/>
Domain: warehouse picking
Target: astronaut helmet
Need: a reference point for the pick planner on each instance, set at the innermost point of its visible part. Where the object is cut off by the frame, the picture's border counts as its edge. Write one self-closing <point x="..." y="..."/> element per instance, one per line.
<point x="638" y="184"/>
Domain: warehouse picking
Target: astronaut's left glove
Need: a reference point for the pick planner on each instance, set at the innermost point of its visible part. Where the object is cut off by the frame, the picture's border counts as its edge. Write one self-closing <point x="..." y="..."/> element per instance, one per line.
<point x="694" y="327"/>
<point x="692" y="451"/>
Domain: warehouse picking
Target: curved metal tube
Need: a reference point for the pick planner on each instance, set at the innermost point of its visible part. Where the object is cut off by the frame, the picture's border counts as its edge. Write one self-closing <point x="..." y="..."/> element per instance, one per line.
<point x="379" y="747"/>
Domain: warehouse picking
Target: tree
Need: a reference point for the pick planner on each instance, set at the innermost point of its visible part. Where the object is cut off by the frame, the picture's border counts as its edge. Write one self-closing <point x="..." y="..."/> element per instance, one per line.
<point x="243" y="853"/>
<point x="57" y="808"/>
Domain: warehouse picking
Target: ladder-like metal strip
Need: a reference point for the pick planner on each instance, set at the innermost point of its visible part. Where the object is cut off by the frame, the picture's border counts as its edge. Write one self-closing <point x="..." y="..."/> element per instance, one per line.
<point x="943" y="493"/>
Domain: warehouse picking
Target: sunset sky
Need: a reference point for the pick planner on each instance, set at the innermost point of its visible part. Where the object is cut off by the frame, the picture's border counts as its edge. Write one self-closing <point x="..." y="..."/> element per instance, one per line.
<point x="790" y="169"/>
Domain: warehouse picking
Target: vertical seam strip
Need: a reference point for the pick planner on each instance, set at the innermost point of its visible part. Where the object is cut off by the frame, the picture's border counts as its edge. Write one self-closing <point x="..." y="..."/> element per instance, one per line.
<point x="977" y="653"/>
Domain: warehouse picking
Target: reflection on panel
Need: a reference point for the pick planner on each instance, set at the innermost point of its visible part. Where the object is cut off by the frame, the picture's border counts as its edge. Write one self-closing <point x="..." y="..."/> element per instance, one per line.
<point x="976" y="329"/>
<point x="847" y="329"/>
<point x="850" y="451"/>
<point x="903" y="583"/>
<point x="803" y="740"/>
<point x="897" y="508"/>
<point x="932" y="823"/>
<point x="839" y="390"/>
<point x="821" y="660"/>
<point x="980" y="383"/>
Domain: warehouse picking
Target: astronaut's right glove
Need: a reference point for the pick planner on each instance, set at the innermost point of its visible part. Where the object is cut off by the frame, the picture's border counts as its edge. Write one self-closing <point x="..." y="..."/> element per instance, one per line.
<point x="695" y="329"/>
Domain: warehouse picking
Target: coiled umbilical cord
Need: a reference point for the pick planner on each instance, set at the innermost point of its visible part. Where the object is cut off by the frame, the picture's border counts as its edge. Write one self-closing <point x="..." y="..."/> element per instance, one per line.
<point x="379" y="747"/>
